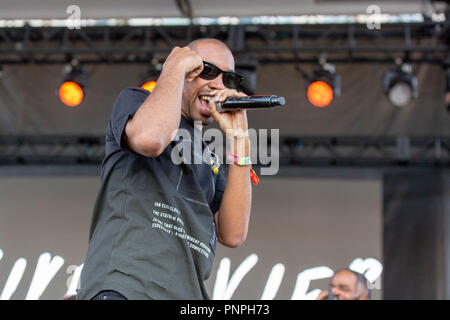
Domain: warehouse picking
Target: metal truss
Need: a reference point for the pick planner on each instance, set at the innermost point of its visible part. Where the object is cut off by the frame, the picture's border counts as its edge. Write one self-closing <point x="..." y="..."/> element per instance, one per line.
<point x="54" y="150"/>
<point x="416" y="42"/>
<point x="339" y="151"/>
<point x="359" y="151"/>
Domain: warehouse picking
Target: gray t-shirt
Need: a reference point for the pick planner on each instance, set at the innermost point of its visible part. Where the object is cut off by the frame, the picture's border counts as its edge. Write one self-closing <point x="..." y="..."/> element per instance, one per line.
<point x="153" y="234"/>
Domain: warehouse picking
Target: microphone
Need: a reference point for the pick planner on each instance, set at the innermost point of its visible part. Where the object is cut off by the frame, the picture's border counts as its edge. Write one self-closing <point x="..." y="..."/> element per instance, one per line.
<point x="249" y="103"/>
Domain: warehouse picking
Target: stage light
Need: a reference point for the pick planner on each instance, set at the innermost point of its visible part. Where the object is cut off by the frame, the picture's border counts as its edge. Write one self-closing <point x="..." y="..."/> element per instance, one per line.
<point x="323" y="85"/>
<point x="400" y="85"/>
<point x="71" y="93"/>
<point x="150" y="78"/>
<point x="74" y="85"/>
<point x="320" y="93"/>
<point x="149" y="85"/>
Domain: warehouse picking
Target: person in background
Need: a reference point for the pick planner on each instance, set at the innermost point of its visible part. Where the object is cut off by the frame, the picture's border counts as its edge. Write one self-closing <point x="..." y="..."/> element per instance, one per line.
<point x="346" y="284"/>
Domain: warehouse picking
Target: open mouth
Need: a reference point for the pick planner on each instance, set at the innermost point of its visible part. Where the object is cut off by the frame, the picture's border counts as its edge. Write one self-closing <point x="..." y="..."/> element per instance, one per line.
<point x="206" y="98"/>
<point x="204" y="105"/>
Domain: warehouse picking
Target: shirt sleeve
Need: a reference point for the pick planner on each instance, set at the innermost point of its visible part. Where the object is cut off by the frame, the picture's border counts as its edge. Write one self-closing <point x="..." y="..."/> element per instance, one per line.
<point x="221" y="181"/>
<point x="126" y="105"/>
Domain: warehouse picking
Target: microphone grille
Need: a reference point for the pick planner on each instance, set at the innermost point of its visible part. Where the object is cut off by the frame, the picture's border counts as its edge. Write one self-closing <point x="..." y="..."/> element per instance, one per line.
<point x="277" y="101"/>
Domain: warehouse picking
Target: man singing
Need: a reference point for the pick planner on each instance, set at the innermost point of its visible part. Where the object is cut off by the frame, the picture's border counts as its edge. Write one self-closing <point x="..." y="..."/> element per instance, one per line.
<point x="156" y="222"/>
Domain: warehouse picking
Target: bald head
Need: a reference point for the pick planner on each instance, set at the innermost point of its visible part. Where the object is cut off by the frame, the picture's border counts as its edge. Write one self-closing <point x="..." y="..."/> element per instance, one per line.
<point x="208" y="41"/>
<point x="211" y="49"/>
<point x="348" y="284"/>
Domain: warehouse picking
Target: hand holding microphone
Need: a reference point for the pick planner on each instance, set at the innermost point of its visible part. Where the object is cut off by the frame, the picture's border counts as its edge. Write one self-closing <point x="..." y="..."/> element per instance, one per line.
<point x="229" y="109"/>
<point x="249" y="103"/>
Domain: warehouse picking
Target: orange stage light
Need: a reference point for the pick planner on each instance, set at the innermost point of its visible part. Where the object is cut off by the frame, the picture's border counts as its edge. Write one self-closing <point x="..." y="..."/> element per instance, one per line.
<point x="320" y="94"/>
<point x="71" y="93"/>
<point x="149" y="86"/>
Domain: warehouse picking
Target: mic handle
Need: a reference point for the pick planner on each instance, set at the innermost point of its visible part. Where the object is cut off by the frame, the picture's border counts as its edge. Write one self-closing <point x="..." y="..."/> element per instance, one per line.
<point x="249" y="102"/>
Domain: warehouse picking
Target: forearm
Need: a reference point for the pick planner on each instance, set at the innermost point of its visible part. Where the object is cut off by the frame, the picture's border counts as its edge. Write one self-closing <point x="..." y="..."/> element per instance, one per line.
<point x="234" y="212"/>
<point x="158" y="118"/>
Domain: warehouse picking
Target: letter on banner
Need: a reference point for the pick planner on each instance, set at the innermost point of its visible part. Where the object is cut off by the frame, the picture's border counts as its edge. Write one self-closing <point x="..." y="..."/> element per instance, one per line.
<point x="273" y="282"/>
<point x="303" y="280"/>
<point x="371" y="268"/>
<point x="72" y="282"/>
<point x="224" y="290"/>
<point x="14" y="278"/>
<point x="46" y="269"/>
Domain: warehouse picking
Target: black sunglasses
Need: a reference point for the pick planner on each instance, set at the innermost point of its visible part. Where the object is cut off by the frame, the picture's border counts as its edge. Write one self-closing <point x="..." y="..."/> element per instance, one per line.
<point x="231" y="79"/>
